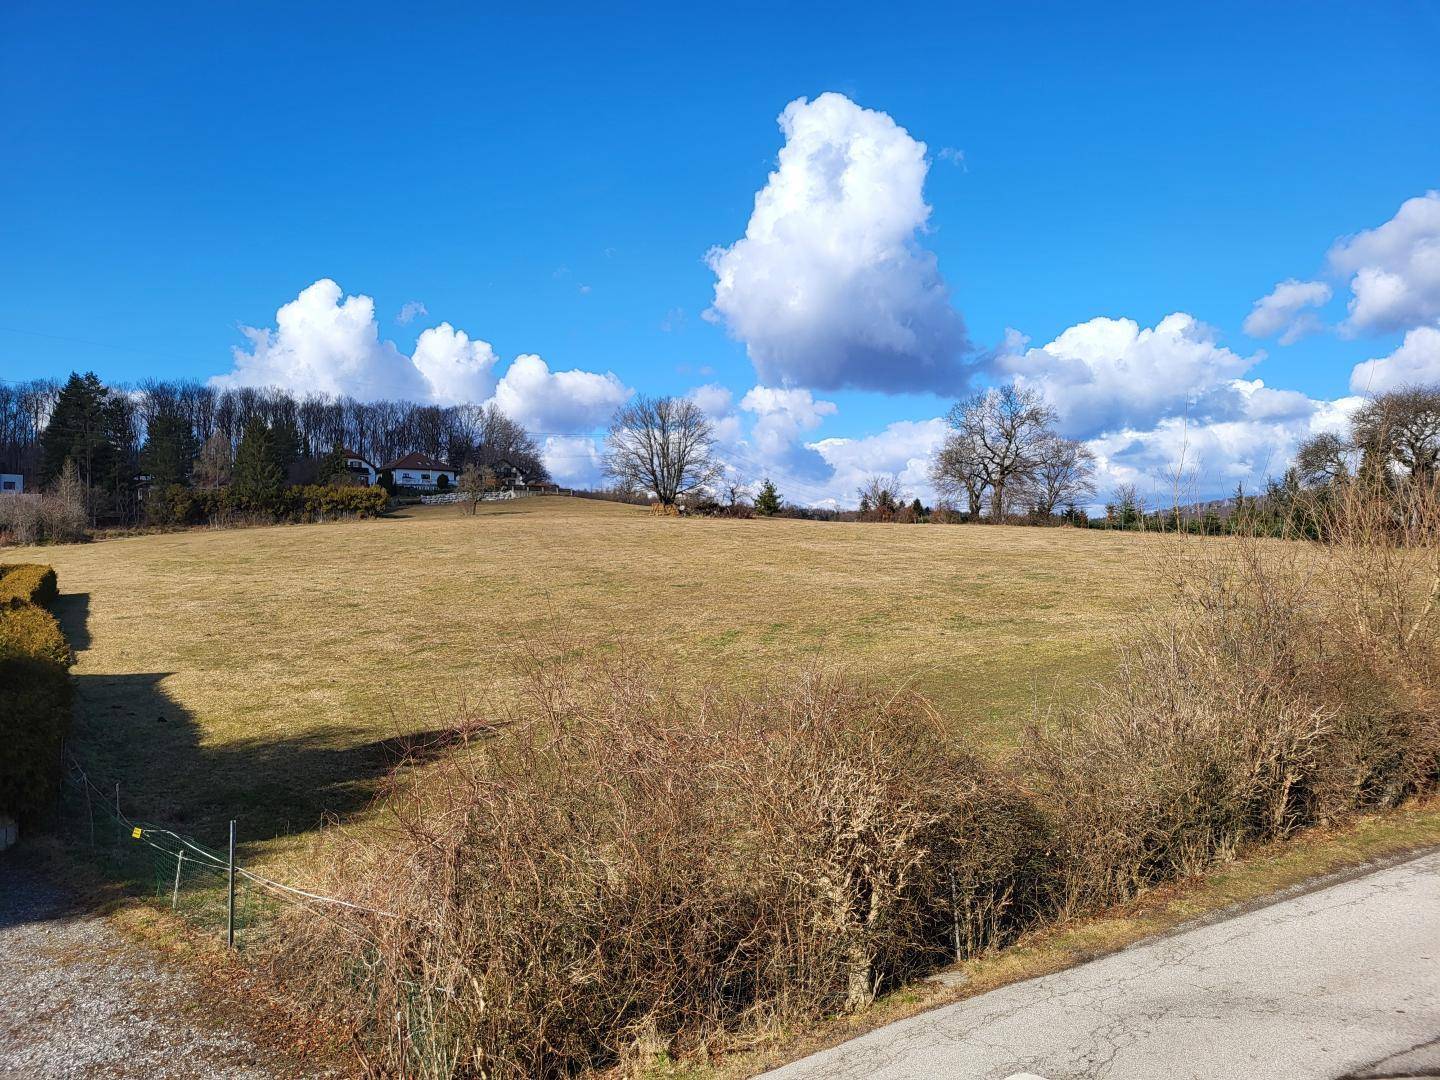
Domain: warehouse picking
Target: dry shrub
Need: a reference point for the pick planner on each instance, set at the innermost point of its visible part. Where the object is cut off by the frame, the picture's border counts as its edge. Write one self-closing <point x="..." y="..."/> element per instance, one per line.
<point x="1291" y="683"/>
<point x="632" y="867"/>
<point x="38" y="519"/>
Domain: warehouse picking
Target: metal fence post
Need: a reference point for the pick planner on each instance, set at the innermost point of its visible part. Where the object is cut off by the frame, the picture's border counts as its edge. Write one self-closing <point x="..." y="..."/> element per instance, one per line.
<point x="230" y="906"/>
<point x="175" y="893"/>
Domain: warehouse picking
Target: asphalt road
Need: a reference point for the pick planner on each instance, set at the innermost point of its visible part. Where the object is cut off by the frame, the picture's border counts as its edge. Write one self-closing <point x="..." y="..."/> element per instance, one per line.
<point x="1343" y="981"/>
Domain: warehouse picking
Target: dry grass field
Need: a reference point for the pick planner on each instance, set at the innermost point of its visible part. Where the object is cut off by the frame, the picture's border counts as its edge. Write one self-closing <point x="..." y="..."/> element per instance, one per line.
<point x="264" y="673"/>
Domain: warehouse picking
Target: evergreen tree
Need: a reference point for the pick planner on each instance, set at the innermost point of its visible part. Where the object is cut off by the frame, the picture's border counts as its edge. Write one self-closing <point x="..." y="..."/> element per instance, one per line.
<point x="169" y="453"/>
<point x="285" y="444"/>
<point x="767" y="503"/>
<point x="331" y="469"/>
<point x="79" y="430"/>
<point x="258" y="478"/>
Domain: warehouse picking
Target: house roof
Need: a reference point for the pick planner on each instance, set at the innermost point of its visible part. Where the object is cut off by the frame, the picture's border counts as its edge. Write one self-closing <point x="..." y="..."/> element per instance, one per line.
<point x="346" y="452"/>
<point x="418" y="461"/>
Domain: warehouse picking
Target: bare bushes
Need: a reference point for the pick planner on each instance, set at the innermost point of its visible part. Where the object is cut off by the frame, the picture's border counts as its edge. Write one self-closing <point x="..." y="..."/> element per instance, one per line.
<point x="634" y="867"/>
<point x="41" y="519"/>
<point x="1290" y="684"/>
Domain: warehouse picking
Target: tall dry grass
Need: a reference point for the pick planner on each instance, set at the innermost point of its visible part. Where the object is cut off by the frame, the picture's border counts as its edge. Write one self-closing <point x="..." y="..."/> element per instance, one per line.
<point x="632" y="866"/>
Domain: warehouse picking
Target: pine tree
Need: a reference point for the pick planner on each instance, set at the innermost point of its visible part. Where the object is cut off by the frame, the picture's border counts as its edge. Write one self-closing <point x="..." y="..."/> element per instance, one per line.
<point x="169" y="453"/>
<point x="79" y="430"/>
<point x="767" y="503"/>
<point x="331" y="468"/>
<point x="285" y="444"/>
<point x="258" y="478"/>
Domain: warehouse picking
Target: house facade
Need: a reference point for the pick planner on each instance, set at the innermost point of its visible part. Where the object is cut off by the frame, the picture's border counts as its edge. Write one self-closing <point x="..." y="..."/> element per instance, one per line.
<point x="420" y="471"/>
<point x="11" y="483"/>
<point x="359" y="466"/>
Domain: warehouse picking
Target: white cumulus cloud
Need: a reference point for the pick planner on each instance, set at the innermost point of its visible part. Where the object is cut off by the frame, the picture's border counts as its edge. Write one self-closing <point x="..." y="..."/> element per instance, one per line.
<point x="830" y="286"/>
<point x="1394" y="269"/>
<point x="410" y="311"/>
<point x="905" y="448"/>
<point x="455" y="367"/>
<point x="1210" y="458"/>
<point x="564" y="401"/>
<point x="1416" y="361"/>
<point x="1283" y="312"/>
<point x="781" y="415"/>
<point x="1110" y="373"/>
<point x="326" y="343"/>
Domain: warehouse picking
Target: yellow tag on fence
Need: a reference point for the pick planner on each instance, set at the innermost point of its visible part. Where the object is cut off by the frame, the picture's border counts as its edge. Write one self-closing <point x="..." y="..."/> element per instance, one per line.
<point x="135" y="833"/>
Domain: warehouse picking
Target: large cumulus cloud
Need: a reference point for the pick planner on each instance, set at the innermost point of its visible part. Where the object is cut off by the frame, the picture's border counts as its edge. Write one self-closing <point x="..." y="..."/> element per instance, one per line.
<point x="1109" y="373"/>
<point x="830" y="286"/>
<point x="1394" y="269"/>
<point x="325" y="342"/>
<point x="1415" y="362"/>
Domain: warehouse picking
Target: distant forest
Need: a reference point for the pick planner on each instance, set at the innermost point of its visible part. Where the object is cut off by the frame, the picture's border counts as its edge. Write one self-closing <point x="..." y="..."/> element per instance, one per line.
<point x="114" y="434"/>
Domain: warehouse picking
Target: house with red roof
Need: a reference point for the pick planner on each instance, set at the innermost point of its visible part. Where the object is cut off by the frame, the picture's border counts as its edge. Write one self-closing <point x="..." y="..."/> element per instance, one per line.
<point x="418" y="470"/>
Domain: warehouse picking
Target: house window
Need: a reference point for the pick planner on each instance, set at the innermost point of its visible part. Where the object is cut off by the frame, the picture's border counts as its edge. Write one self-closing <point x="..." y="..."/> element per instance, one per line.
<point x="9" y="485"/>
<point x="424" y="476"/>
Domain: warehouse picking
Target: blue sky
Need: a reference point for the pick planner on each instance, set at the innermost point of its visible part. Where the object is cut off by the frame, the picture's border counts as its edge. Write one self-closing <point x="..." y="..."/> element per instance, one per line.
<point x="551" y="184"/>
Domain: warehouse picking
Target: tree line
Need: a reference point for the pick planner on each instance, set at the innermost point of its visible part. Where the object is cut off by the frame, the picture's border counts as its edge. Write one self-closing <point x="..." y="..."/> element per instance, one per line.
<point x="122" y="439"/>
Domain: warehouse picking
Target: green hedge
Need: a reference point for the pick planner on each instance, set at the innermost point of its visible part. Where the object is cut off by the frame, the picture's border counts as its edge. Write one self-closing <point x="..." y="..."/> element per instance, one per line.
<point x="35" y="692"/>
<point x="177" y="505"/>
<point x="30" y="631"/>
<point x="27" y="583"/>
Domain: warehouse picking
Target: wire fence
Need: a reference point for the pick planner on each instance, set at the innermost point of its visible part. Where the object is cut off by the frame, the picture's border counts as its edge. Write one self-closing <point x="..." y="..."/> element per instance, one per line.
<point x="210" y="889"/>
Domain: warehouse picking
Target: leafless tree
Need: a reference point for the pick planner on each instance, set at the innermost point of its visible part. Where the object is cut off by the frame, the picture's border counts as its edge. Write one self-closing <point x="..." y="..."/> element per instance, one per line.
<point x="957" y="472"/>
<point x="880" y="497"/>
<point x="1005" y="427"/>
<point x="1323" y="458"/>
<point x="474" y="482"/>
<point x="1064" y="472"/>
<point x="661" y="445"/>
<point x="1401" y="428"/>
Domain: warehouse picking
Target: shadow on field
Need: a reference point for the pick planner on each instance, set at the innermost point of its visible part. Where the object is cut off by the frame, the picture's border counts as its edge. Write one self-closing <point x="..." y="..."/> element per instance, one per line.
<point x="73" y="612"/>
<point x="128" y="729"/>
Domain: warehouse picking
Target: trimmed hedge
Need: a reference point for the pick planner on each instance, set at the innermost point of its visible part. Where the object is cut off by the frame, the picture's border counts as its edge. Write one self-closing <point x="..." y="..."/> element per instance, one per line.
<point x="177" y="505"/>
<point x="35" y="691"/>
<point x="28" y="583"/>
<point x="30" y="631"/>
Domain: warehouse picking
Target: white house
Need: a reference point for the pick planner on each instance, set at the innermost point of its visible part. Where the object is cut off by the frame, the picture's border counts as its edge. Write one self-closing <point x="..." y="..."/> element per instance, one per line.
<point x="359" y="465"/>
<point x="12" y="481"/>
<point x="420" y="471"/>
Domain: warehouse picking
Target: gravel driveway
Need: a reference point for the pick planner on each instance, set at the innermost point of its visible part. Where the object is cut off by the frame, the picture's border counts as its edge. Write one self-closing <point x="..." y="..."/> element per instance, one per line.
<point x="78" y="1000"/>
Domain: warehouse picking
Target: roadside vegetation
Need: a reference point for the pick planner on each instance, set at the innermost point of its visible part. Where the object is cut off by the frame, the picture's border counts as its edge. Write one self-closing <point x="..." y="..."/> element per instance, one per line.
<point x="634" y="867"/>
<point x="717" y="778"/>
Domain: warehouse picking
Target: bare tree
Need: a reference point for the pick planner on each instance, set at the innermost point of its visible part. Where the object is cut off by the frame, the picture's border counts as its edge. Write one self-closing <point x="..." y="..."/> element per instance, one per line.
<point x="957" y="471"/>
<point x="1064" y="472"/>
<point x="1401" y="428"/>
<point x="880" y="497"/>
<point x="661" y="445"/>
<point x="1005" y="427"/>
<point x="474" y="482"/>
<point x="1322" y="459"/>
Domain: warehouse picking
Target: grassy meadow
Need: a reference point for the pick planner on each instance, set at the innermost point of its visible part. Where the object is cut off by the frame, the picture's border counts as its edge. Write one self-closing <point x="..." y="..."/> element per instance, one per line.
<point x="265" y="673"/>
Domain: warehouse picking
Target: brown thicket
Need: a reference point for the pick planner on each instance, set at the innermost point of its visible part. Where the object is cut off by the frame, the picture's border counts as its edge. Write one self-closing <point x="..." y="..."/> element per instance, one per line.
<point x="631" y="866"/>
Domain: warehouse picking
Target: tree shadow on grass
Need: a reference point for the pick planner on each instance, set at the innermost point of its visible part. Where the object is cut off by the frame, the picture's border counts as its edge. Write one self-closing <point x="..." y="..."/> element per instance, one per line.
<point x="128" y="730"/>
<point x="73" y="612"/>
